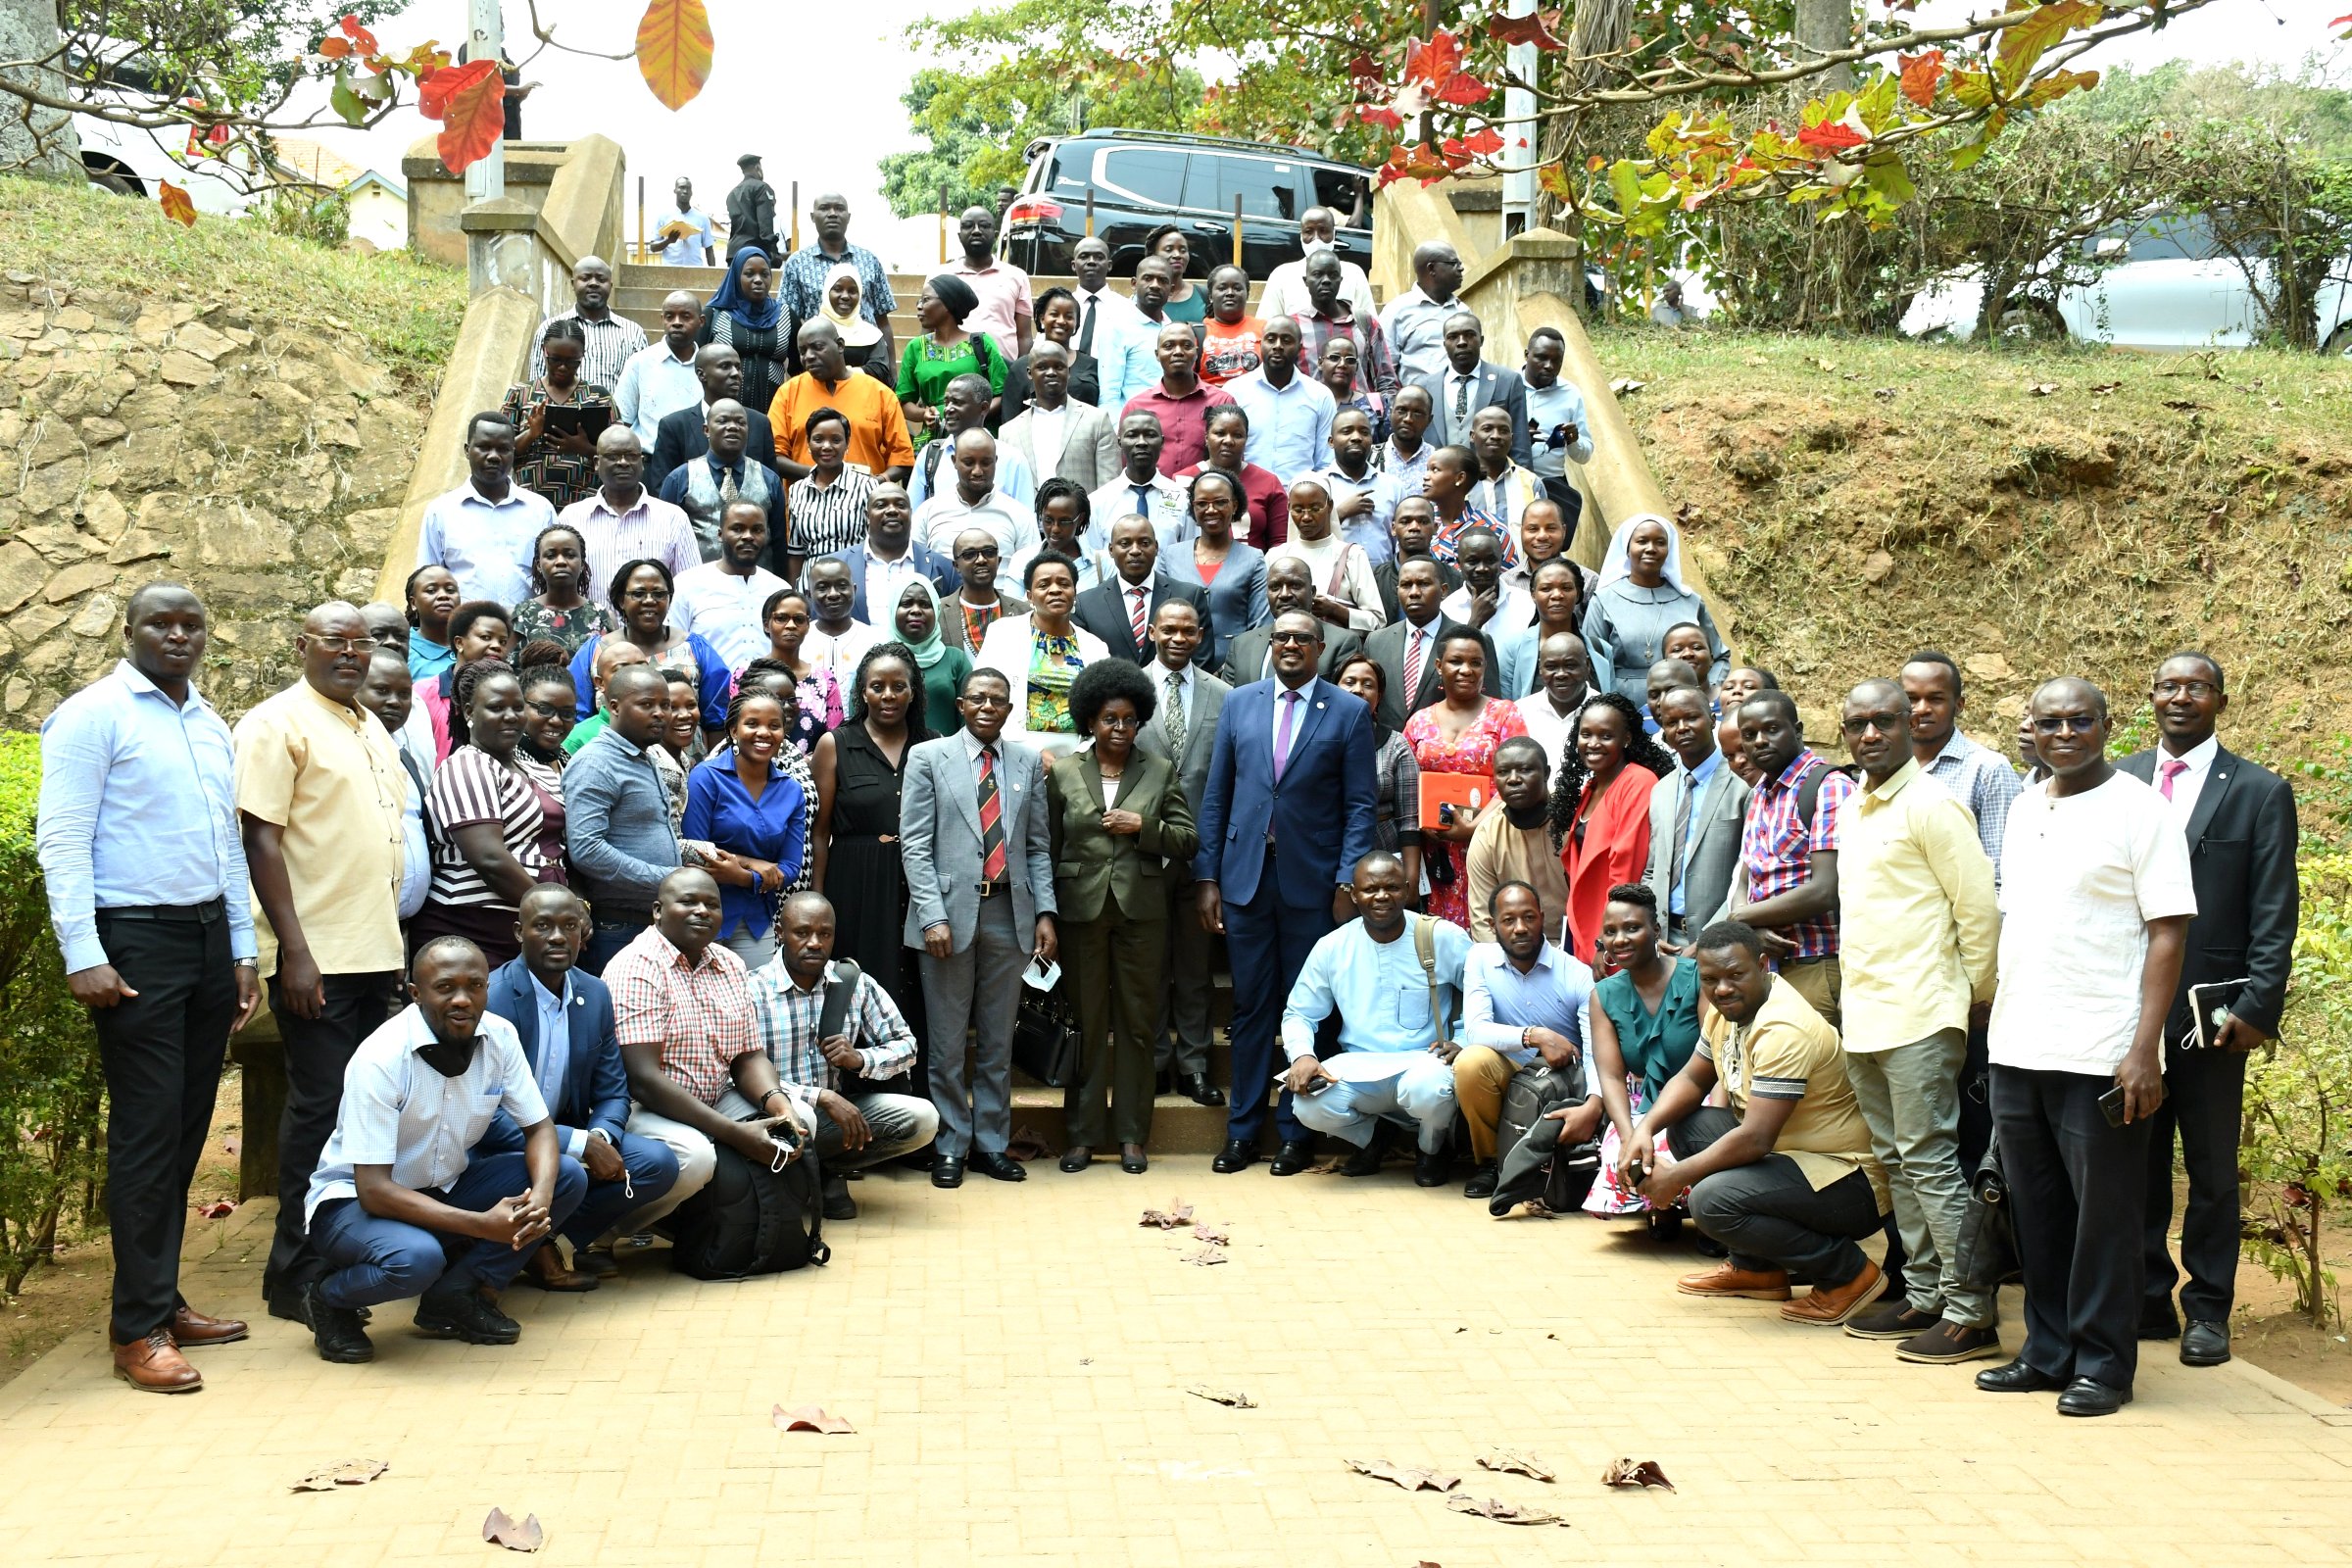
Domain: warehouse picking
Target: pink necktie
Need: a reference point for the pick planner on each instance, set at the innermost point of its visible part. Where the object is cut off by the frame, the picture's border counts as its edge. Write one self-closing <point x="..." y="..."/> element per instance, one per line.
<point x="1135" y="616"/>
<point x="2171" y="768"/>
<point x="1412" y="669"/>
<point x="1282" y="733"/>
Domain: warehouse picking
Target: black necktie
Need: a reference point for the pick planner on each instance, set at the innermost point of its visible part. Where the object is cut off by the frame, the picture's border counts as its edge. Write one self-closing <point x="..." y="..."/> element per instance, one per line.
<point x="1086" y="325"/>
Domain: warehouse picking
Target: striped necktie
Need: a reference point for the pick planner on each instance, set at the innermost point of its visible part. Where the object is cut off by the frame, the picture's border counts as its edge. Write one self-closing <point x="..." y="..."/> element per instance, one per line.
<point x="1139" y="612"/>
<point x="992" y="819"/>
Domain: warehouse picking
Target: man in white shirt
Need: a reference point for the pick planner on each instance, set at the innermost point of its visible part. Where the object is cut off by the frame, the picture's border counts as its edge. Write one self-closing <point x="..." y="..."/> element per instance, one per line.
<point x="1102" y="314"/>
<point x="659" y="378"/>
<point x="1557" y="434"/>
<point x="1139" y="489"/>
<point x="721" y="598"/>
<point x="2095" y="903"/>
<point x="621" y="522"/>
<point x="1290" y="414"/>
<point x="836" y="639"/>
<point x="974" y="500"/>
<point x="1357" y="494"/>
<point x="485" y="529"/>
<point x="1285" y="293"/>
<point x="1062" y="439"/>
<point x="611" y="338"/>
<point x="1550" y="714"/>
<point x="397" y="1183"/>
<point x="696" y="239"/>
<point x="1415" y="320"/>
<point x="964" y="406"/>
<point x="1483" y="601"/>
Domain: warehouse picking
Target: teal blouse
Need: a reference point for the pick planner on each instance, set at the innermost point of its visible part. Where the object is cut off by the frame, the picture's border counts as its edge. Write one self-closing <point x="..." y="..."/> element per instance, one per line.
<point x="1654" y="1044"/>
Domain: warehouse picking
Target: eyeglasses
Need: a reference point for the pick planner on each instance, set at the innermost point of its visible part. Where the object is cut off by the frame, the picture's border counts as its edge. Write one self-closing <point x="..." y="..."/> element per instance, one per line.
<point x="1864" y="723"/>
<point x="2069" y="723"/>
<point x="1292" y="637"/>
<point x="344" y="645"/>
<point x="979" y="701"/>
<point x="1118" y="721"/>
<point x="984" y="552"/>
<point x="544" y="710"/>
<point x="2165" y="689"/>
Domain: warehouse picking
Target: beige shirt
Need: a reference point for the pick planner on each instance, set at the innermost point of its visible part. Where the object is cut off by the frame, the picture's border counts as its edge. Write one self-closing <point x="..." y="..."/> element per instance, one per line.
<point x="1787" y="1051"/>
<point x="1918" y="914"/>
<point x="1500" y="853"/>
<point x="331" y="778"/>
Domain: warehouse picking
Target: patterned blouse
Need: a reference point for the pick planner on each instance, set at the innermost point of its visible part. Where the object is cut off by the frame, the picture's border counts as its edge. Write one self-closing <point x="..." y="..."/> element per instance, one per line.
<point x="561" y="477"/>
<point x="1471" y="752"/>
<point x="534" y="621"/>
<point x="1052" y="666"/>
<point x="525" y="801"/>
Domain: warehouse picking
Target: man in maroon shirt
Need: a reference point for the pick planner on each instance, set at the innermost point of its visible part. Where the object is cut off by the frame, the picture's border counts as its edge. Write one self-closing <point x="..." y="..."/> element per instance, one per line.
<point x="1181" y="402"/>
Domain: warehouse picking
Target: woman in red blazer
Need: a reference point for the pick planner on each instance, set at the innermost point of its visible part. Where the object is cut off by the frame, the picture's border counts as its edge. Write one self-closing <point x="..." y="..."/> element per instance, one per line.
<point x="1600" y="814"/>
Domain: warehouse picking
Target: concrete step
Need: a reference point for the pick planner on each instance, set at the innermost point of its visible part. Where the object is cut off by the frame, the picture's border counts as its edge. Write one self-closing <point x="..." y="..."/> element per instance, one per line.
<point x="1178" y="1126"/>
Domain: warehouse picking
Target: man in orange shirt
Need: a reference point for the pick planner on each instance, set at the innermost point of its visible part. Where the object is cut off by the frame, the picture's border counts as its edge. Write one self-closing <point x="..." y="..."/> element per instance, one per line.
<point x="878" y="441"/>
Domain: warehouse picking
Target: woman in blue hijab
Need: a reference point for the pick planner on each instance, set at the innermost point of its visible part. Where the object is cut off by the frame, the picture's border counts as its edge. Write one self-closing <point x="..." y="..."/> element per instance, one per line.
<point x="746" y="314"/>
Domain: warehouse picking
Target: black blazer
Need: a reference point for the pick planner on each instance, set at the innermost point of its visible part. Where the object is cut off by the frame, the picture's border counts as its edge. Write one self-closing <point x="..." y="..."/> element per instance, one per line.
<point x="1246" y="655"/>
<point x="2241" y="856"/>
<point x="1388" y="645"/>
<point x="1102" y="611"/>
<point x="679" y="437"/>
<point x="1385" y="574"/>
<point x="1086" y="385"/>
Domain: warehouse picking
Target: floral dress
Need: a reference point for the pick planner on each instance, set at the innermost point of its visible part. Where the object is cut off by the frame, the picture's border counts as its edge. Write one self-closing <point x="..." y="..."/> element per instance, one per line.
<point x="1053" y="667"/>
<point x="534" y="621"/>
<point x="1472" y="751"/>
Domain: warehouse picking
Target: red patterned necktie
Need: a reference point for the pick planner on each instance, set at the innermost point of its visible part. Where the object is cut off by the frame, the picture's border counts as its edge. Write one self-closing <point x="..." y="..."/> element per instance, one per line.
<point x="1139" y="603"/>
<point x="992" y="819"/>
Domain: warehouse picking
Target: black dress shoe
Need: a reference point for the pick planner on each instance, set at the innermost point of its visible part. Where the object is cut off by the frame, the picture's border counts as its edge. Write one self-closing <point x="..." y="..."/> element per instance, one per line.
<point x="1431" y="1169"/>
<point x="997" y="1163"/>
<point x="1076" y="1158"/>
<point x="1365" y="1162"/>
<point x="335" y="1330"/>
<point x="2204" y="1344"/>
<point x="1133" y="1160"/>
<point x="1295" y="1155"/>
<point x="1196" y="1086"/>
<point x="838" y="1204"/>
<point x="2156" y="1321"/>
<point x="947" y="1171"/>
<point x="2016" y="1376"/>
<point x="1236" y="1154"/>
<point x="1483" y="1181"/>
<point x="2087" y="1396"/>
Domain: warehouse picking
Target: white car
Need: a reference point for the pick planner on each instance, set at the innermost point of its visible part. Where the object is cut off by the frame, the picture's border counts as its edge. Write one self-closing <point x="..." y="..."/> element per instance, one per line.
<point x="131" y="162"/>
<point x="2167" y="285"/>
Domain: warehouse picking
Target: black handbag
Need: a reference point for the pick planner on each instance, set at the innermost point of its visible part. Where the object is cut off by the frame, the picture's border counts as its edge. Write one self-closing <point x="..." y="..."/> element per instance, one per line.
<point x="1045" y="1037"/>
<point x="1987" y="1254"/>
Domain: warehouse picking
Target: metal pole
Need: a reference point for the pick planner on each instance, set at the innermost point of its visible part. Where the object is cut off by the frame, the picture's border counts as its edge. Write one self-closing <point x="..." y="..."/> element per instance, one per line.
<point x="1237" y="231"/>
<point x="796" y="218"/>
<point x="1519" y="131"/>
<point x="642" y="253"/>
<point x="486" y="179"/>
<point x="943" y="223"/>
<point x="1090" y="212"/>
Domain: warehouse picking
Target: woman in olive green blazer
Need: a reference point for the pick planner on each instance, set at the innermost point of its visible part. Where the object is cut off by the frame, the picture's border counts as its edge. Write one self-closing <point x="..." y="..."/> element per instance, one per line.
<point x="1117" y="814"/>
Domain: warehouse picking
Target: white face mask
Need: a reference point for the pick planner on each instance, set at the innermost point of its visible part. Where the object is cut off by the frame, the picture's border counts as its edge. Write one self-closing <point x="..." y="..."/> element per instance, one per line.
<point x="1316" y="247"/>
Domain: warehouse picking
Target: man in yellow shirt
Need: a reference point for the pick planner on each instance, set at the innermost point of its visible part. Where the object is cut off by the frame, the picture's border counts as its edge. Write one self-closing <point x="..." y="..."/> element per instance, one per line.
<point x="1784" y="1178"/>
<point x="1922" y="927"/>
<point x="878" y="440"/>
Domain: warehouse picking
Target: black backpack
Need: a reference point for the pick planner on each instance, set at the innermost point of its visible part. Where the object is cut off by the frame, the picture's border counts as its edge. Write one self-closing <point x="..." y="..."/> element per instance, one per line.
<point x="752" y="1219"/>
<point x="1534" y="1088"/>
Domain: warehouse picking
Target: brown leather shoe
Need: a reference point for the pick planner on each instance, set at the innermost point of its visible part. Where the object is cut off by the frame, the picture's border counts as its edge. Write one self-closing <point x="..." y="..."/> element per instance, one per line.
<point x="545" y="1269"/>
<point x="1725" y="1278"/>
<point x="1827" y="1305"/>
<point x="191" y="1329"/>
<point x="154" y="1365"/>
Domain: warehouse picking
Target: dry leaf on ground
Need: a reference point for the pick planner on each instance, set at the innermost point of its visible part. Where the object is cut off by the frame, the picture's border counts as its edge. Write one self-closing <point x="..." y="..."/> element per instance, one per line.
<point x="2042" y="389"/>
<point x="1226" y="1397"/>
<point x="1626" y="386"/>
<point x="501" y="1530"/>
<point x="1518" y="1461"/>
<point x="219" y="1209"/>
<point x="2105" y="387"/>
<point x="1635" y="1473"/>
<point x="1207" y="1257"/>
<point x="1211" y="1235"/>
<point x="1168" y="1219"/>
<point x="230" y="1146"/>
<point x="342" y="1473"/>
<point x="810" y="1418"/>
<point x="1502" y="1512"/>
<point x="1408" y="1477"/>
<point x="1027" y="1144"/>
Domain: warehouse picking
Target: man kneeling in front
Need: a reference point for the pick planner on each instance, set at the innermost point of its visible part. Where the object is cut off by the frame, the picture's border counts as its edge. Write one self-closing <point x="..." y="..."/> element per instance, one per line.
<point x="399" y="1205"/>
<point x="863" y="1127"/>
<point x="1396" y="1006"/>
<point x="1784" y="1178"/>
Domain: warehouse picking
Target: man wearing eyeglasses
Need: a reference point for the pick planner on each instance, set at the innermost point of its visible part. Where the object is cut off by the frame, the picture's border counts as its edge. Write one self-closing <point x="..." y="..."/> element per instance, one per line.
<point x="979" y="603"/>
<point x="322" y="801"/>
<point x="2239" y="825"/>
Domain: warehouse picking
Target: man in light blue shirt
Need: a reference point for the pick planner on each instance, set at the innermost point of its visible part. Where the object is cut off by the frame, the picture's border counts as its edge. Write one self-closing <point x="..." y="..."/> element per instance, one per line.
<point x="1415" y="320"/>
<point x="1524" y="1002"/>
<point x="1395" y="1008"/>
<point x="617" y="824"/>
<point x="389" y="693"/>
<point x="484" y="530"/>
<point x="139" y="847"/>
<point x="697" y="245"/>
<point x="1129" y="363"/>
<point x="658" y="379"/>
<point x="1140" y="489"/>
<point x="1290" y="415"/>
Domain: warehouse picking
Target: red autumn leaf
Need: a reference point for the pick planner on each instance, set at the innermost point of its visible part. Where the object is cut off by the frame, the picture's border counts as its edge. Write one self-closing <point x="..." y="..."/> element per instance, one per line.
<point x="358" y="35"/>
<point x="176" y="205"/>
<point x="1380" y="115"/>
<point x="501" y="1529"/>
<point x="1436" y="60"/>
<point x="1533" y="28"/>
<point x="469" y="101"/>
<point x="334" y="48"/>
<point x="1830" y="136"/>
<point x="1921" y="74"/>
<point x="1484" y="142"/>
<point x="219" y="1209"/>
<point x="808" y="1418"/>
<point x="1363" y="68"/>
<point x="1461" y="90"/>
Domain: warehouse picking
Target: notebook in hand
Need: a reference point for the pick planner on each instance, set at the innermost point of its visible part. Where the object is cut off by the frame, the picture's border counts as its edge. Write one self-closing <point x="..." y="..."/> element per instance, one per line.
<point x="2208" y="1007"/>
<point x="1458" y="790"/>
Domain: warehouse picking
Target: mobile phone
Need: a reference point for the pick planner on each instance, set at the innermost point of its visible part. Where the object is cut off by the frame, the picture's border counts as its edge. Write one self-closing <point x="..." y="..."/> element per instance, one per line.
<point x="1445" y="813"/>
<point x="2111" y="1106"/>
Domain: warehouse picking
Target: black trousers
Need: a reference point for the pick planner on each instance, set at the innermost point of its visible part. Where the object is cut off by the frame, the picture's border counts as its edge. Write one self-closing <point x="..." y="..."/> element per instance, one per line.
<point x="1770" y="1216"/>
<point x="318" y="1049"/>
<point x="162" y="1052"/>
<point x="2078" y="1192"/>
<point x="2204" y="1099"/>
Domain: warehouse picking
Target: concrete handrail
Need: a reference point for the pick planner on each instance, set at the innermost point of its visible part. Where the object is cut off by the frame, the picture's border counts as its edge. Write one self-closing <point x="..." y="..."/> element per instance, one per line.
<point x="519" y="259"/>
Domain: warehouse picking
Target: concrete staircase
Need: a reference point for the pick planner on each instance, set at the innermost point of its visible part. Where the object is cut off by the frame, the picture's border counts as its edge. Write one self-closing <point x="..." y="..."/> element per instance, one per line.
<point x="1178" y="1126"/>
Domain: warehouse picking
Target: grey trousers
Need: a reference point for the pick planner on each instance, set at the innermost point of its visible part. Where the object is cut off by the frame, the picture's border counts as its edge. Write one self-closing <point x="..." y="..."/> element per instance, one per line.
<point x="978" y="990"/>
<point x="1910" y="1095"/>
<point x="899" y="1124"/>
<point x="1184" y="1028"/>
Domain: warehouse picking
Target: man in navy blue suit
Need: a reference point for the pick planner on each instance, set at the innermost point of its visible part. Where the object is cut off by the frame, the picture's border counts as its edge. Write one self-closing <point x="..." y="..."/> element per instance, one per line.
<point x="578" y="1070"/>
<point x="890" y="552"/>
<point x="1285" y="815"/>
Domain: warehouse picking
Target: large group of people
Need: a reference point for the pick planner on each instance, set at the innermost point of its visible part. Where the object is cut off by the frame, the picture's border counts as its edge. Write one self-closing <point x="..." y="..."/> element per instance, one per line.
<point x="544" y="871"/>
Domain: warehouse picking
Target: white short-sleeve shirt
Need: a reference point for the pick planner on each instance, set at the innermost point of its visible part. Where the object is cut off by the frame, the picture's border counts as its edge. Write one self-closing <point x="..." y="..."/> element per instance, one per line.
<point x="399" y="1112"/>
<point x="2081" y="877"/>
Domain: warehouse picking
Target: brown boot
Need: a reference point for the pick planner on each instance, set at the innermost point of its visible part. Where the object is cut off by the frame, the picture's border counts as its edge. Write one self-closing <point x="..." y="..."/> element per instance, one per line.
<point x="191" y="1329"/>
<point x="545" y="1269"/>
<point x="1827" y="1305"/>
<point x="154" y="1365"/>
<point x="1728" y="1279"/>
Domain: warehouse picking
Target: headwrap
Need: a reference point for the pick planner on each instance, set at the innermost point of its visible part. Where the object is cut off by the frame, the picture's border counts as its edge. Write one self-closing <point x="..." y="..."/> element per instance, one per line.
<point x="932" y="648"/>
<point x="956" y="294"/>
<point x="1615" y="565"/>
<point x="730" y="298"/>
<point x="855" y="330"/>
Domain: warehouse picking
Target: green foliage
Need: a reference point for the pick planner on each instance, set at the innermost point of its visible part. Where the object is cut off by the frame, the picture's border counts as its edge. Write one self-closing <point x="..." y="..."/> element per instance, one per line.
<point x="307" y="212"/>
<point x="51" y="1090"/>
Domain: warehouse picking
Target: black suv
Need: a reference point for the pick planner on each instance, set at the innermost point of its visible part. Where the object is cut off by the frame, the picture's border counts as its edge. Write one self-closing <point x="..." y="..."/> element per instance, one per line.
<point x="1141" y="180"/>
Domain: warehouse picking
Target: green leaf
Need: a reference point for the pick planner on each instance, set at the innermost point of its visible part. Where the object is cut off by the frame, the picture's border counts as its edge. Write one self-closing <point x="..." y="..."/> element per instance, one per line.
<point x="1886" y="176"/>
<point x="1625" y="185"/>
<point x="1877" y="104"/>
<point x="2024" y="43"/>
<point x="345" y="101"/>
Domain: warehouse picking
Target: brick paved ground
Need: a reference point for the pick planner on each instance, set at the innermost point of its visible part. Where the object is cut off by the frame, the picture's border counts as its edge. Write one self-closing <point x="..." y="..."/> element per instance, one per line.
<point x="1013" y="1361"/>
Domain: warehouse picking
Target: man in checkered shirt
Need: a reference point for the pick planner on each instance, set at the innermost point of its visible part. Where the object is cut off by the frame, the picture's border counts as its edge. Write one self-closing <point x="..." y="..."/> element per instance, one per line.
<point x="1790" y="894"/>
<point x="864" y="1126"/>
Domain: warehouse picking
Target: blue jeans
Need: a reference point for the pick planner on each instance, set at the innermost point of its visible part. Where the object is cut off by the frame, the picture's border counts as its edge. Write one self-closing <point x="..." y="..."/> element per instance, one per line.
<point x="605" y="940"/>
<point x="372" y="1259"/>
<point x="1420" y="1096"/>
<point x="652" y="1170"/>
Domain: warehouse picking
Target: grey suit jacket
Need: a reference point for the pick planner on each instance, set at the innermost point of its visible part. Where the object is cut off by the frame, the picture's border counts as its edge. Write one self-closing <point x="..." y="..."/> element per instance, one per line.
<point x="1497" y="387"/>
<point x="950" y="618"/>
<point x="1089" y="457"/>
<point x="1199" y="739"/>
<point x="939" y="838"/>
<point x="1715" y="844"/>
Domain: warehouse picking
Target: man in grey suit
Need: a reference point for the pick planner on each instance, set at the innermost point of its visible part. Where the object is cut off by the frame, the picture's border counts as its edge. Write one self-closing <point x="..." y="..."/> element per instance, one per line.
<point x="1062" y="439"/>
<point x="973" y="831"/>
<point x="1696" y="814"/>
<point x="1469" y="383"/>
<point x="1184" y="731"/>
<point x="1290" y="585"/>
<point x="1407" y="652"/>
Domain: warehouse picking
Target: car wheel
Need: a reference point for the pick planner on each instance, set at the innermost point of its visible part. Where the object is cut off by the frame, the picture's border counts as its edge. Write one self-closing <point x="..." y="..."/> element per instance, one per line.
<point x="2030" y="321"/>
<point x="115" y="180"/>
<point x="2339" y="341"/>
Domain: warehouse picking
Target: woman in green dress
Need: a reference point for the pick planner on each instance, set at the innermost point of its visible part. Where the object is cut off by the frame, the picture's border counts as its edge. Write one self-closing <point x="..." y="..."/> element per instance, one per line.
<point x="1644" y="1027"/>
<point x="943" y="352"/>
<point x="940" y="668"/>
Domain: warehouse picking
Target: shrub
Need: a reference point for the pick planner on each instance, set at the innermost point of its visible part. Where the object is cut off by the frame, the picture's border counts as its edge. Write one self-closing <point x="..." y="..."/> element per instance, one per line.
<point x="51" y="1088"/>
<point x="307" y="212"/>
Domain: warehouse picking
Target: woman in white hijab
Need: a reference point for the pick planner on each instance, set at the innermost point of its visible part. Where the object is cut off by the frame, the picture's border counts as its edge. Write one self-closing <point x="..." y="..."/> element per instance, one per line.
<point x="1639" y="600"/>
<point x="840" y="303"/>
